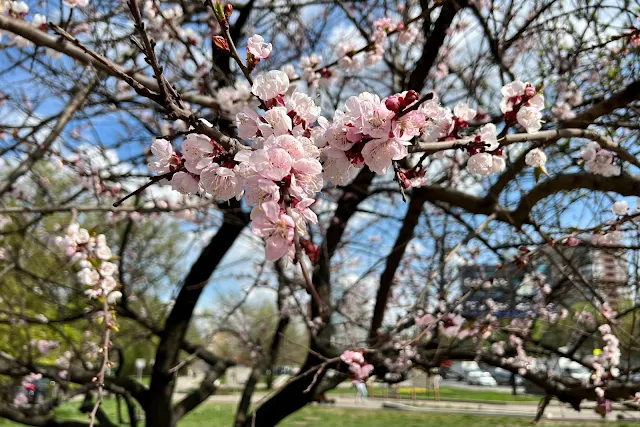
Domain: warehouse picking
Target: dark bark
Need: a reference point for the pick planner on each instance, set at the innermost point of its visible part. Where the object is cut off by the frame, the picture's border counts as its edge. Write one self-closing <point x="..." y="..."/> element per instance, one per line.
<point x="162" y="380"/>
<point x="541" y="407"/>
<point x="292" y="397"/>
<point x="434" y="40"/>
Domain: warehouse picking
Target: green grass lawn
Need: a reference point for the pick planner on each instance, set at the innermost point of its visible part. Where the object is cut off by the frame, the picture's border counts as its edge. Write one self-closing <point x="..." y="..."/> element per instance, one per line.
<point x="445" y="393"/>
<point x="215" y="415"/>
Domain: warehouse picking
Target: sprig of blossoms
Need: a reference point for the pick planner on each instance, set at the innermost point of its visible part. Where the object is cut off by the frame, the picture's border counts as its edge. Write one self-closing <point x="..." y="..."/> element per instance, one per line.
<point x="357" y="364"/>
<point x="610" y="356"/>
<point x="599" y="161"/>
<point x="93" y="256"/>
<point x="295" y="150"/>
<point x="522" y="103"/>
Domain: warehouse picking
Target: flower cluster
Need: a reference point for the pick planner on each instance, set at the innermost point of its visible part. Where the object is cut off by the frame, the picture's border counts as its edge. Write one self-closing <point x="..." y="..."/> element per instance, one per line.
<point x="93" y="256"/>
<point x="282" y="172"/>
<point x="45" y="347"/>
<point x="610" y="356"/>
<point x="357" y="365"/>
<point x="569" y="96"/>
<point x="403" y="361"/>
<point x="28" y="385"/>
<point x="522" y="103"/>
<point x="599" y="161"/>
<point x="234" y="99"/>
<point x="521" y="360"/>
<point x="346" y="52"/>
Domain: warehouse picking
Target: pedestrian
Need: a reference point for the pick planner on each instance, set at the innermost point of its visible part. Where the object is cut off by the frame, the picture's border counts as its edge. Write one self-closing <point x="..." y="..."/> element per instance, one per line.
<point x="361" y="389"/>
<point x="435" y="382"/>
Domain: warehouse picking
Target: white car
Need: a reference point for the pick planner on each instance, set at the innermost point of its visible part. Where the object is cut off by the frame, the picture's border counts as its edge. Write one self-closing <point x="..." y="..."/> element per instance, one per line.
<point x="481" y="378"/>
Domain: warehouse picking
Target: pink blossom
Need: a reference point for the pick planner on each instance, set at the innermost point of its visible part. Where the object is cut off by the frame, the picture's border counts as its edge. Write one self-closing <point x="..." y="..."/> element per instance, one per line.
<point x="74" y="3"/>
<point x="270" y="85"/>
<point x="480" y="164"/>
<point x="274" y="163"/>
<point x="247" y="121"/>
<point x="462" y="111"/>
<point x="304" y="215"/>
<point x="408" y="35"/>
<point x="257" y="47"/>
<point x="185" y="183"/>
<point x="163" y="152"/>
<point x="275" y="227"/>
<point x="529" y="118"/>
<point x="513" y="93"/>
<point x="599" y="160"/>
<point x="306" y="177"/>
<point x="198" y="152"/>
<point x="562" y="111"/>
<point x="303" y="106"/>
<point x="45" y="346"/>
<point x="620" y="208"/>
<point x="220" y="182"/>
<point x="361" y="371"/>
<point x="277" y="122"/>
<point x="535" y="158"/>
<point x="350" y="357"/>
<point x="425" y="320"/>
<point x="261" y="190"/>
<point x="337" y="168"/>
<point x="409" y="125"/>
<point x="292" y="145"/>
<point x="451" y="324"/>
<point x="378" y="154"/>
<point x="39" y="21"/>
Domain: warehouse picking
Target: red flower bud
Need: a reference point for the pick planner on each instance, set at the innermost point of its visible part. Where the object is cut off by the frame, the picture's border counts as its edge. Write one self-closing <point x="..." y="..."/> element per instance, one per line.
<point x="228" y="10"/>
<point x="221" y="43"/>
<point x="311" y="249"/>
<point x="393" y="104"/>
<point x="410" y="97"/>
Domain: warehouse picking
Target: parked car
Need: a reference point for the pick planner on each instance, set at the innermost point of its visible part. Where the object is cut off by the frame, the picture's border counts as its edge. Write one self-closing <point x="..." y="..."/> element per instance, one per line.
<point x="448" y="374"/>
<point x="503" y="377"/>
<point x="481" y="378"/>
<point x="459" y="370"/>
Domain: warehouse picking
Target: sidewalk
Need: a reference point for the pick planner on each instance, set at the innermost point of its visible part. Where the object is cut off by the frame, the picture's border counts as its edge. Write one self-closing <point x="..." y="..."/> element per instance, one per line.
<point x="555" y="410"/>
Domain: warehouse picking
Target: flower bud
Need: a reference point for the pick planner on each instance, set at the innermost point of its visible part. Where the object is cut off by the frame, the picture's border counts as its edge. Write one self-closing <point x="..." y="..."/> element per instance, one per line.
<point x="410" y="97"/>
<point x="221" y="43"/>
<point x="228" y="10"/>
<point x="393" y="103"/>
<point x="530" y="91"/>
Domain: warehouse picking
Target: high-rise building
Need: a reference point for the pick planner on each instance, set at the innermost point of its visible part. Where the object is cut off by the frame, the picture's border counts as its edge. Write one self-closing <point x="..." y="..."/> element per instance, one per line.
<point x="604" y="270"/>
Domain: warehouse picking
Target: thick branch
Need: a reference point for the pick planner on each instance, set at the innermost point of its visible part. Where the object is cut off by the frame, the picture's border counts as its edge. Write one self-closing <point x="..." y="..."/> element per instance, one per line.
<point x="395" y="256"/>
<point x="162" y="380"/>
